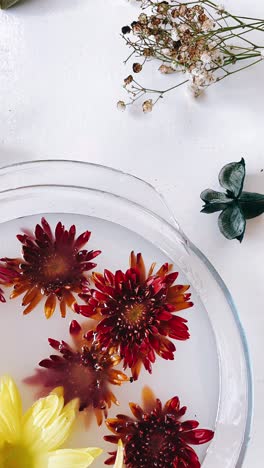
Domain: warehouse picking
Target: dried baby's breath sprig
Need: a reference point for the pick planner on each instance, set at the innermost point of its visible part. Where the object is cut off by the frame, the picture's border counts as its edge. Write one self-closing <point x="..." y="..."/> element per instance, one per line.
<point x="199" y="41"/>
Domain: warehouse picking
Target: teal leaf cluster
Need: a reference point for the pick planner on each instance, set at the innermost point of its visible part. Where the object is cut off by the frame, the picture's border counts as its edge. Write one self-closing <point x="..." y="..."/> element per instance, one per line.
<point x="235" y="205"/>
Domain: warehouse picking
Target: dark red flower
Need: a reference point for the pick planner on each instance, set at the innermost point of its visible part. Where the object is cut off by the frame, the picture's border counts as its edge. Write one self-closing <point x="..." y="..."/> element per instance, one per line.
<point x="53" y="266"/>
<point x="7" y="277"/>
<point x="156" y="436"/>
<point x="136" y="312"/>
<point x="83" y="370"/>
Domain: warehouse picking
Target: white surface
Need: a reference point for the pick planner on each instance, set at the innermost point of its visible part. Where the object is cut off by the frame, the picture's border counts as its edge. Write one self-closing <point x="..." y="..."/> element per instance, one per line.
<point x="60" y="76"/>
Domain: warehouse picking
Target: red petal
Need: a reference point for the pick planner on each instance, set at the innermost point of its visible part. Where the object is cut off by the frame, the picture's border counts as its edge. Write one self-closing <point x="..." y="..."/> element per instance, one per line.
<point x="189" y="425"/>
<point x="46" y="228"/>
<point x="54" y="343"/>
<point x="82" y="240"/>
<point x="75" y="327"/>
<point x="197" y="437"/>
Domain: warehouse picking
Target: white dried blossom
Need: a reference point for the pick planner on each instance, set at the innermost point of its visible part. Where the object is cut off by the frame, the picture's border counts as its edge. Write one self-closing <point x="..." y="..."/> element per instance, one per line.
<point x="143" y="18"/>
<point x="174" y="35"/>
<point x="208" y="25"/>
<point x="147" y="106"/>
<point x="168" y="52"/>
<point x="206" y="58"/>
<point x="221" y="9"/>
<point x="195" y="91"/>
<point x="200" y="77"/>
<point x="121" y="106"/>
<point x="217" y="56"/>
<point x="166" y="69"/>
<point x="183" y="27"/>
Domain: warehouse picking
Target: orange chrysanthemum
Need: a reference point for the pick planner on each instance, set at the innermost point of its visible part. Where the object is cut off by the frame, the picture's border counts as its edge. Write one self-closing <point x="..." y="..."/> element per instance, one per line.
<point x="53" y="266"/>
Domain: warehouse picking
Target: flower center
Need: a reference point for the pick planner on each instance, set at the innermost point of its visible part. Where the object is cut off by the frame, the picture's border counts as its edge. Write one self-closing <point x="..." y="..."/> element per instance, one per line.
<point x="55" y="265"/>
<point x="15" y="456"/>
<point x="135" y="312"/>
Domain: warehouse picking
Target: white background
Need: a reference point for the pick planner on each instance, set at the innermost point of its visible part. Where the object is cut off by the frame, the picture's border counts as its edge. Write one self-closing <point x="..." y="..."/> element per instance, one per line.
<point x="61" y="72"/>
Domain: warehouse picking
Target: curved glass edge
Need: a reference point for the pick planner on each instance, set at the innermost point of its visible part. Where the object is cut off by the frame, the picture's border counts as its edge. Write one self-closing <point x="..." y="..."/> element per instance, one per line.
<point x="128" y="186"/>
<point x="166" y="215"/>
<point x="238" y="322"/>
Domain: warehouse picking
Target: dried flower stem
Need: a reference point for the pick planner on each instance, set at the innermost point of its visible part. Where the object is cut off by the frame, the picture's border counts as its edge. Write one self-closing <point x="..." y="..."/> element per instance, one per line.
<point x="198" y="38"/>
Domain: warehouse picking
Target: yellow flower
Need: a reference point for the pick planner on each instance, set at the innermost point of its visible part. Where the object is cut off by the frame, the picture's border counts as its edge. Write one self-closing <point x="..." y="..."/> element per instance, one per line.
<point x="119" y="455"/>
<point x="33" y="440"/>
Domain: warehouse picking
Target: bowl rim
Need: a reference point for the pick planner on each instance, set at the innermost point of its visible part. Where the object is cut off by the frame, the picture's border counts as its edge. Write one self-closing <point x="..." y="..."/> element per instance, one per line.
<point x="5" y="169"/>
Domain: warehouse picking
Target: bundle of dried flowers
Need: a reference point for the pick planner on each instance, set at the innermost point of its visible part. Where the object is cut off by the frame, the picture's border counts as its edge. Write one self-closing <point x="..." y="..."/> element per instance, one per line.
<point x="198" y="40"/>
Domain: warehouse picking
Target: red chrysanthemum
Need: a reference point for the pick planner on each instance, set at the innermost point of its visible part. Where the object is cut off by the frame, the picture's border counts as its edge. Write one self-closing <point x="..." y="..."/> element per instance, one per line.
<point x="136" y="312"/>
<point x="7" y="277"/>
<point x="83" y="370"/>
<point x="157" y="437"/>
<point x="53" y="266"/>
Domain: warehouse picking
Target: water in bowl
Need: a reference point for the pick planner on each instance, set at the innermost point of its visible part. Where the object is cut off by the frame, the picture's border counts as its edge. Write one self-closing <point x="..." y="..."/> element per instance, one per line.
<point x="193" y="375"/>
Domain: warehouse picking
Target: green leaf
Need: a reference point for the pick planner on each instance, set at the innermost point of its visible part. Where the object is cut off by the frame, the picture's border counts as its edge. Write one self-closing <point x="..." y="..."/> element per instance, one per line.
<point x="214" y="201"/>
<point x="211" y="196"/>
<point x="232" y="222"/>
<point x="231" y="177"/>
<point x="252" y="204"/>
<point x="7" y="3"/>
<point x="209" y="208"/>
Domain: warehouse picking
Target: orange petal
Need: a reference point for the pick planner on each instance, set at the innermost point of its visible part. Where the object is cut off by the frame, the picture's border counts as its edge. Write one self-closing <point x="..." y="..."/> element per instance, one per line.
<point x="69" y="297"/>
<point x="30" y="295"/>
<point x="182" y="305"/>
<point x="50" y="305"/>
<point x="19" y="289"/>
<point x="151" y="270"/>
<point x="136" y="369"/>
<point x="63" y="308"/>
<point x="33" y="303"/>
<point x="136" y="261"/>
<point x="99" y="416"/>
<point x="164" y="269"/>
<point x="177" y="289"/>
<point x="132" y="260"/>
<point x="148" y="399"/>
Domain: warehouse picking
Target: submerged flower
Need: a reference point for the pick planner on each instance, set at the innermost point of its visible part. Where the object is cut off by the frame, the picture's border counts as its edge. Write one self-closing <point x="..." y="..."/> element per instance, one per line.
<point x="83" y="370"/>
<point x="136" y="312"/>
<point x="156" y="435"/>
<point x="53" y="266"/>
<point x="33" y="440"/>
<point x="7" y="277"/>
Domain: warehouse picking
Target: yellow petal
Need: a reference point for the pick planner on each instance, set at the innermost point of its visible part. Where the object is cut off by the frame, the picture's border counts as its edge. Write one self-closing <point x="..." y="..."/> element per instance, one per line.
<point x="78" y="458"/>
<point x="10" y="411"/>
<point x="119" y="456"/>
<point x="47" y="425"/>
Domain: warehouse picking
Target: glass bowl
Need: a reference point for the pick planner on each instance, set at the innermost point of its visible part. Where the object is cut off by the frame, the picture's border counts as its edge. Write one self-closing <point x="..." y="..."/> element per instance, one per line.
<point x="212" y="375"/>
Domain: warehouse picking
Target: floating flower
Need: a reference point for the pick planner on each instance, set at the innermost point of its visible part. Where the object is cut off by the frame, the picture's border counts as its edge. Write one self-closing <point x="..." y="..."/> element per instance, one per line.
<point x="136" y="312"/>
<point x="7" y="277"/>
<point x="53" y="266"/>
<point x="83" y="370"/>
<point x="157" y="436"/>
<point x="33" y="440"/>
